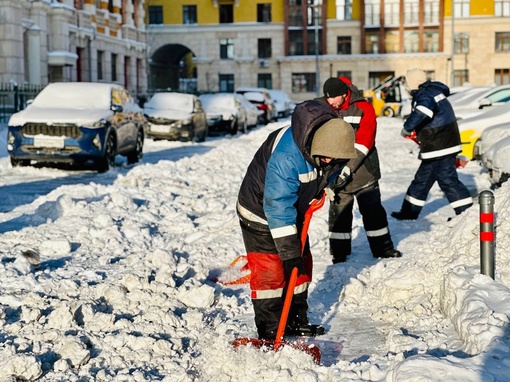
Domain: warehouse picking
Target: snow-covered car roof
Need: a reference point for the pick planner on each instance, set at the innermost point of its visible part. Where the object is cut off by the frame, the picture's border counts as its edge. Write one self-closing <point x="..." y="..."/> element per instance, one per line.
<point x="75" y="95"/>
<point x="171" y="101"/>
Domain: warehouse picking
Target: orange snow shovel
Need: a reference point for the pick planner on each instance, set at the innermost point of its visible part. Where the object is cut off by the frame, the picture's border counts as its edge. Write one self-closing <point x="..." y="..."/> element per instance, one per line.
<point x="241" y="262"/>
<point x="278" y="343"/>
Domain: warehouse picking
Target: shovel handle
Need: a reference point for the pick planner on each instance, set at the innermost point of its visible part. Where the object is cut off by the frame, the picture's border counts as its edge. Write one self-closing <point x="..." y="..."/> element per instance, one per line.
<point x="315" y="204"/>
<point x="286" y="307"/>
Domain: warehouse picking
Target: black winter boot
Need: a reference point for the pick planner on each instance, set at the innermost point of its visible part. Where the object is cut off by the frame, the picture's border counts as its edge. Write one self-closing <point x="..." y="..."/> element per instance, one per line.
<point x="407" y="212"/>
<point x="390" y="254"/>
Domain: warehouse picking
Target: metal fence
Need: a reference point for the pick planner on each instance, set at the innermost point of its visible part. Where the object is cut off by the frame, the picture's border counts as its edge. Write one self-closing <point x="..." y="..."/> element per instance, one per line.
<point x="14" y="97"/>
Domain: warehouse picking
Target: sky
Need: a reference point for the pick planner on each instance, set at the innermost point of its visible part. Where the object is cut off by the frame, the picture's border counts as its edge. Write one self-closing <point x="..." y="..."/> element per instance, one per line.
<point x="110" y="277"/>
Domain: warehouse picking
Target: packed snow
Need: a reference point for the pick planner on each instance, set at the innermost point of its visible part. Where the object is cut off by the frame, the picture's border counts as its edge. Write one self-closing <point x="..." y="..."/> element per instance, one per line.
<point x="109" y="277"/>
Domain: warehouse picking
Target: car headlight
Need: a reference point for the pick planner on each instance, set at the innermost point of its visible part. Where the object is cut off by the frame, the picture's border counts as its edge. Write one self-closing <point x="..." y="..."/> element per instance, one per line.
<point x="96" y="124"/>
<point x="182" y="123"/>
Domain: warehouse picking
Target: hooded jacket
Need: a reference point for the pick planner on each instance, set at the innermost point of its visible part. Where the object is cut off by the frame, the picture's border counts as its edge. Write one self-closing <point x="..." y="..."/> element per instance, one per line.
<point x="433" y="119"/>
<point x="283" y="179"/>
<point x="361" y="115"/>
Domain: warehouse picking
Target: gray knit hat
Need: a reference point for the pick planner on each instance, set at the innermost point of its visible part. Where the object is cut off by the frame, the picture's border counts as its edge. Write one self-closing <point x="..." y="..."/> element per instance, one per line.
<point x="415" y="77"/>
<point x="334" y="139"/>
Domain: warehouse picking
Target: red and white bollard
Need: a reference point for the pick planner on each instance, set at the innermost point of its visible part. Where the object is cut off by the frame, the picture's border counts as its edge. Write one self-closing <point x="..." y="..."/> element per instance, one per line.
<point x="486" y="202"/>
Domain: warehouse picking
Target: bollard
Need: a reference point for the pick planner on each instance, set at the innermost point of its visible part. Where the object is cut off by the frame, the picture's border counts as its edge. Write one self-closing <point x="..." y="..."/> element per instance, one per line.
<point x="486" y="202"/>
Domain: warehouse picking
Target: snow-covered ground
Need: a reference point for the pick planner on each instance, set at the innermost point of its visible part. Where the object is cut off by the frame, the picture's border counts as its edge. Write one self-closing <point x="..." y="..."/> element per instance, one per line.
<point x="107" y="277"/>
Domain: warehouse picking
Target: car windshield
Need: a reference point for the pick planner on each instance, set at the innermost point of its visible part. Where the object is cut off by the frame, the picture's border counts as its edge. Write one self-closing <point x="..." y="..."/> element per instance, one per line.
<point x="74" y="96"/>
<point x="171" y="101"/>
<point x="210" y="101"/>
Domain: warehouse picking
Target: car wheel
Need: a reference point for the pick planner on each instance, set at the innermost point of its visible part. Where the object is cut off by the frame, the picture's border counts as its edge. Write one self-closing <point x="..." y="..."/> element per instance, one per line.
<point x="234" y="127"/>
<point x="204" y="135"/>
<point x="137" y="153"/>
<point x="19" y="162"/>
<point x="110" y="151"/>
<point x="244" y="130"/>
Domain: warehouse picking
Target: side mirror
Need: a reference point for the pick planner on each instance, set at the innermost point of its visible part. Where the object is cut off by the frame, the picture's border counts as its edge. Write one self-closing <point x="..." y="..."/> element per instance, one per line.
<point x="484" y="102"/>
<point x="116" y="108"/>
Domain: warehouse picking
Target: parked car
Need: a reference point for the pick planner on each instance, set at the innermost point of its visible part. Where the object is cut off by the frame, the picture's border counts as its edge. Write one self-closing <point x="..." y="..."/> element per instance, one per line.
<point x="496" y="159"/>
<point x="489" y="137"/>
<point x="224" y="113"/>
<point x="282" y="101"/>
<point x="253" y="114"/>
<point x="462" y="92"/>
<point x="472" y="128"/>
<point x="76" y="123"/>
<point x="480" y="102"/>
<point x="261" y="98"/>
<point x="175" y="116"/>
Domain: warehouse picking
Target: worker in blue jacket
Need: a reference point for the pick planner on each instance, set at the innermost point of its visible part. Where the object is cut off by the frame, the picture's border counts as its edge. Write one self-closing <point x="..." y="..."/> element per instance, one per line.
<point x="289" y="170"/>
<point x="433" y="121"/>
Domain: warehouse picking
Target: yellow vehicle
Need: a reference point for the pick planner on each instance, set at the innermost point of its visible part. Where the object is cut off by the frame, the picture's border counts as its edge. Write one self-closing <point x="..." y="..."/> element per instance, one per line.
<point x="387" y="97"/>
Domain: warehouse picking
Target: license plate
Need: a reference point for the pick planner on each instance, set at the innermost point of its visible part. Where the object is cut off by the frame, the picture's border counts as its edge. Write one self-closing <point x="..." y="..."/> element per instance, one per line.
<point x="160" y="128"/>
<point x="53" y="142"/>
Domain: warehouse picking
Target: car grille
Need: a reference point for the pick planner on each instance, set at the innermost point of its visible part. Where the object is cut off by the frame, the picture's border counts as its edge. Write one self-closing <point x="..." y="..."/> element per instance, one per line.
<point x="53" y="130"/>
<point x="159" y="121"/>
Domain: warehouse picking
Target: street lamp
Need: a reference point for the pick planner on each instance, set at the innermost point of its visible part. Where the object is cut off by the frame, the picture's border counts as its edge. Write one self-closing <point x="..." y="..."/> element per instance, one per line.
<point x="316" y="12"/>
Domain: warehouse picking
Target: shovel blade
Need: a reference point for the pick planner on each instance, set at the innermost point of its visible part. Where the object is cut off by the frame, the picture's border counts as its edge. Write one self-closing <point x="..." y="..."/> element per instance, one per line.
<point x="268" y="345"/>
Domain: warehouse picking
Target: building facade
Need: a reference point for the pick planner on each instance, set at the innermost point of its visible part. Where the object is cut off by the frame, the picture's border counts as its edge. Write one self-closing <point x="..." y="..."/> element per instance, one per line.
<point x="295" y="45"/>
<point x="45" y="41"/>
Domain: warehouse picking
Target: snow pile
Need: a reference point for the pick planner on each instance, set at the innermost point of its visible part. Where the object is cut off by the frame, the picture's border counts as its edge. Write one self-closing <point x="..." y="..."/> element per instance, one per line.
<point x="113" y="282"/>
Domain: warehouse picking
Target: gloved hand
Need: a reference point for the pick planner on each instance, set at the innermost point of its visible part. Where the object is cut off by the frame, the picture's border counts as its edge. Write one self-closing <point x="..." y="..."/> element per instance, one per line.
<point x="405" y="133"/>
<point x="332" y="195"/>
<point x="344" y="178"/>
<point x="290" y="264"/>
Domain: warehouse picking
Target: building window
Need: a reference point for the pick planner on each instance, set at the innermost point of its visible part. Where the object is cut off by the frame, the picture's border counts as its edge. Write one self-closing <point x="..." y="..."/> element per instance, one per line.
<point x="344" y="9"/>
<point x="412" y="13"/>
<point x="411" y="41"/>
<point x="313" y="46"/>
<point x="502" y="76"/>
<point x="392" y="41"/>
<point x="264" y="13"/>
<point x="461" y="8"/>
<point x="431" y="41"/>
<point x="314" y="14"/>
<point x="392" y="13"/>
<point x="227" y="83"/>
<point x="155" y="14"/>
<point x="295" y="43"/>
<point x="461" y="43"/>
<point x="264" y="50"/>
<point x="226" y="13"/>
<point x="303" y="82"/>
<point x="110" y="6"/>
<point x="502" y="8"/>
<point x="502" y="41"/>
<point x="100" y="58"/>
<point x="460" y="77"/>
<point x="264" y="80"/>
<point x="431" y="12"/>
<point x="189" y="14"/>
<point x="372" y="13"/>
<point x="295" y="15"/>
<point x="114" y="67"/>
<point x="227" y="48"/>
<point x="343" y="45"/>
<point x="372" y="42"/>
<point x="344" y="73"/>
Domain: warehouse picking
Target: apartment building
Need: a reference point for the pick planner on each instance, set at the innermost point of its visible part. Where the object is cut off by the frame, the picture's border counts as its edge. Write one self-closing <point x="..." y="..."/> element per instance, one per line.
<point x="73" y="40"/>
<point x="294" y="45"/>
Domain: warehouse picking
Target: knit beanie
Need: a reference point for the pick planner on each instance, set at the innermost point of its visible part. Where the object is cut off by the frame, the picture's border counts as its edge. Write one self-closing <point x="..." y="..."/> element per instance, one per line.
<point x="334" y="139"/>
<point x="415" y="77"/>
<point x="333" y="87"/>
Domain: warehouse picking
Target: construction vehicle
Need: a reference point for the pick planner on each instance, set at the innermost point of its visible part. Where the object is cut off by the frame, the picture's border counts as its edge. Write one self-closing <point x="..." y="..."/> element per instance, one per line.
<point x="389" y="96"/>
